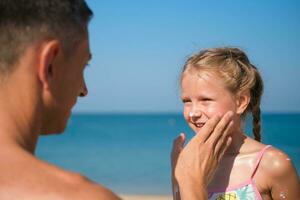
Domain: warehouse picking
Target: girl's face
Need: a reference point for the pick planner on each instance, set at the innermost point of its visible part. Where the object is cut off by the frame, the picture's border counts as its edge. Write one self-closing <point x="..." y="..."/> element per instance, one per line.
<point x="204" y="96"/>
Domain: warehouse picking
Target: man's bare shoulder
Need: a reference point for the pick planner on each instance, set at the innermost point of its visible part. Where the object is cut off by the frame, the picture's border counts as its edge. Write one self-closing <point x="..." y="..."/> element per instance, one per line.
<point x="30" y="178"/>
<point x="86" y="189"/>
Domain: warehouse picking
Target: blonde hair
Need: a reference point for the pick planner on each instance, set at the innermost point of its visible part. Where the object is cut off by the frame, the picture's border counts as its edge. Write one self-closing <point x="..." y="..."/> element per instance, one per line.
<point x="238" y="74"/>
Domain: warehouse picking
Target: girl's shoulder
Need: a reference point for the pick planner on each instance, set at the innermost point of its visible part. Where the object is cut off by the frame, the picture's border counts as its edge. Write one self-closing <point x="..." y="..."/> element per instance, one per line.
<point x="272" y="162"/>
<point x="279" y="174"/>
<point x="275" y="163"/>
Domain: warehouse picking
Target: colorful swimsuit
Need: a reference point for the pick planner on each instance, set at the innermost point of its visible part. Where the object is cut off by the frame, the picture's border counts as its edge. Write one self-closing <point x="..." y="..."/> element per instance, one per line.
<point x="244" y="191"/>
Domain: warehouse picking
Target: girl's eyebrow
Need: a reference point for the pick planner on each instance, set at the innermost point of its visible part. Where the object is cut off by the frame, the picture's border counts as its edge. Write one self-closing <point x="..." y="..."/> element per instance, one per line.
<point x="183" y="97"/>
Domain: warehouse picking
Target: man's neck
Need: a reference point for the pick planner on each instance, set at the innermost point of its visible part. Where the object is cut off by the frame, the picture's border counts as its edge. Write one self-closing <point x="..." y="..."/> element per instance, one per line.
<point x="20" y="117"/>
<point x="18" y="132"/>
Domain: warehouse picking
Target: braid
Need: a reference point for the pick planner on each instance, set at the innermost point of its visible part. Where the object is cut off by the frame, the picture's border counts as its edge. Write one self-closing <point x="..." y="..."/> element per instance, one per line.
<point x="256" y="122"/>
<point x="256" y="93"/>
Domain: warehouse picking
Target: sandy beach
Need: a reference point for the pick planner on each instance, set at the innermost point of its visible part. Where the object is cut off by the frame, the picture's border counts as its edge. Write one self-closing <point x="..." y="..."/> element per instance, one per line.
<point x="145" y="197"/>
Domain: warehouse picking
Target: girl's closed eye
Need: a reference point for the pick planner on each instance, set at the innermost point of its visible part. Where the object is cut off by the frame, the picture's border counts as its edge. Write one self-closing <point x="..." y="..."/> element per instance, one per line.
<point x="206" y="99"/>
<point x="186" y="101"/>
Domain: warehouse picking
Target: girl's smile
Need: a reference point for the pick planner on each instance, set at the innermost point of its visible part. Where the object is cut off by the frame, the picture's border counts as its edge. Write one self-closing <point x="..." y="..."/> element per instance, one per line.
<point x="204" y="96"/>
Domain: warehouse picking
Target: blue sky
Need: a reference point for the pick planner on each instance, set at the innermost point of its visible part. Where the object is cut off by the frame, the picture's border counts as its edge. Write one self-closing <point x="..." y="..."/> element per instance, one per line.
<point x="139" y="47"/>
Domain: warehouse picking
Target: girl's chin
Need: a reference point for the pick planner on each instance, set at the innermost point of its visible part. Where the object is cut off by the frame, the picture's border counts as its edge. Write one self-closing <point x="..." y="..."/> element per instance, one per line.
<point x="197" y="130"/>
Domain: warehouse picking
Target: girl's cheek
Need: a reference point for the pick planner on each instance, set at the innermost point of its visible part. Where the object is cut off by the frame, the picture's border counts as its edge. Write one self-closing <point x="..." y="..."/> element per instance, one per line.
<point x="186" y="112"/>
<point x="215" y="110"/>
<point x="210" y="111"/>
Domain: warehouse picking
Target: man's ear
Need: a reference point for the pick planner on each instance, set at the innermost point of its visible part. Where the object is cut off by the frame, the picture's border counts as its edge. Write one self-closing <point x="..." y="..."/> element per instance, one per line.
<point x="242" y="101"/>
<point x="48" y="55"/>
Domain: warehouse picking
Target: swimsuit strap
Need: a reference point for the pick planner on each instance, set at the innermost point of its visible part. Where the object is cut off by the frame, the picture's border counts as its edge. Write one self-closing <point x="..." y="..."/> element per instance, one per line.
<point x="258" y="159"/>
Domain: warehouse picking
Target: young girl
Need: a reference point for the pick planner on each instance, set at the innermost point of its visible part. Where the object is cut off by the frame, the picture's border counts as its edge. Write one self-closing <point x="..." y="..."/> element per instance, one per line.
<point x="213" y="82"/>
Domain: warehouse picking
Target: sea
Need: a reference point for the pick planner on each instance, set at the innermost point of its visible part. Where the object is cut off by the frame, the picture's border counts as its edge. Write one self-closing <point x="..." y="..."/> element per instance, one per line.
<point x="130" y="153"/>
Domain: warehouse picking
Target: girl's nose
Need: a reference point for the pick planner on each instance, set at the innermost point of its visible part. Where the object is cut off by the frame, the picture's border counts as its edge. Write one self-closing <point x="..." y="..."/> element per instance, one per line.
<point x="194" y="114"/>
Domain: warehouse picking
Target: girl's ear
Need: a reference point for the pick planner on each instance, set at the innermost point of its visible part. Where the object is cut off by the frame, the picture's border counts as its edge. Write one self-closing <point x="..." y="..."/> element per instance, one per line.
<point x="242" y="101"/>
<point x="48" y="55"/>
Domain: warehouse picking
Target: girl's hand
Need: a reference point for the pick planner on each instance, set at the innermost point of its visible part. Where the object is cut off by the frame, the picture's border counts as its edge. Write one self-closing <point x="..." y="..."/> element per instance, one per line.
<point x="177" y="148"/>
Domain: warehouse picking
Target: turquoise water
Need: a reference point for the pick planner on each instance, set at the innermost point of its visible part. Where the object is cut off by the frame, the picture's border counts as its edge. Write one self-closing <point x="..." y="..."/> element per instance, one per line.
<point x="130" y="153"/>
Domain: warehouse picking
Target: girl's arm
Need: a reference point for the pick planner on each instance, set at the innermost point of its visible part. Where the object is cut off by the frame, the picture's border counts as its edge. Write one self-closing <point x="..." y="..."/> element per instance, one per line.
<point x="284" y="182"/>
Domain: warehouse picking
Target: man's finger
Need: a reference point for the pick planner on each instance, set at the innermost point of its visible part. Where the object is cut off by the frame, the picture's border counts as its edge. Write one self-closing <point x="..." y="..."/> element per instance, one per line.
<point x="220" y="128"/>
<point x="221" y="142"/>
<point x="223" y="149"/>
<point x="207" y="129"/>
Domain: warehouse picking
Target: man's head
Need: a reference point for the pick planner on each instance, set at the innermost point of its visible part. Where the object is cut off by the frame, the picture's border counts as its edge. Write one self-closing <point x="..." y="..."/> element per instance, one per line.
<point x="23" y="22"/>
<point x="44" y="50"/>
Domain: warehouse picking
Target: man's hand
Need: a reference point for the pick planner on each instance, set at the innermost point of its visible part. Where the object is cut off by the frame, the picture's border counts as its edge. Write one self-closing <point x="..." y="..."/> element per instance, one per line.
<point x="194" y="165"/>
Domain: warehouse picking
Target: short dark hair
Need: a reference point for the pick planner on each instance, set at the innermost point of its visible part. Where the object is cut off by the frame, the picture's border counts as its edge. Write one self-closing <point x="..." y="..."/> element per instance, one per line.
<point x="23" y="22"/>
